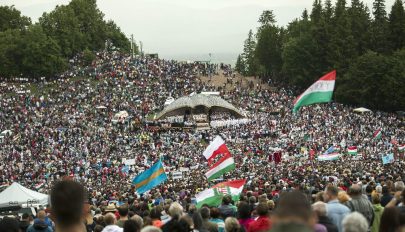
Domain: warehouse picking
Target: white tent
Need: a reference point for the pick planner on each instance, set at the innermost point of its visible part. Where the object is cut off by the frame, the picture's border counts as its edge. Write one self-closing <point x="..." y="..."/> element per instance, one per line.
<point x="18" y="193"/>
<point x="361" y="110"/>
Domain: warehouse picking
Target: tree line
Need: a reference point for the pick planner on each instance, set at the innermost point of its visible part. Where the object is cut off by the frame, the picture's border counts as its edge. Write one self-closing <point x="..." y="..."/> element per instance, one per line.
<point x="365" y="46"/>
<point x="44" y="48"/>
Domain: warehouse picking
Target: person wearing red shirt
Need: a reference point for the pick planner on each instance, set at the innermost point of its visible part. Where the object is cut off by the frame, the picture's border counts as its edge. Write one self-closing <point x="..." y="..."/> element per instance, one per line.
<point x="262" y="223"/>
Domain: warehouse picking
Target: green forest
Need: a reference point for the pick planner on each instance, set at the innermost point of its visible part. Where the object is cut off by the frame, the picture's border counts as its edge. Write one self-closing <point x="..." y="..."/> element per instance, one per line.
<point x="44" y="48"/>
<point x="365" y="46"/>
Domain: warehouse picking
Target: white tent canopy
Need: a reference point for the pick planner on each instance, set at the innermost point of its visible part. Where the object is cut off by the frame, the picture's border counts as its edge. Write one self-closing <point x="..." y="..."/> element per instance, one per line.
<point x="361" y="110"/>
<point x="18" y="193"/>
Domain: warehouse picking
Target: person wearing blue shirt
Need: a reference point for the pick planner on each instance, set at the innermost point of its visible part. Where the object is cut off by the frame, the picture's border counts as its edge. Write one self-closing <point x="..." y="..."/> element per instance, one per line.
<point x="335" y="210"/>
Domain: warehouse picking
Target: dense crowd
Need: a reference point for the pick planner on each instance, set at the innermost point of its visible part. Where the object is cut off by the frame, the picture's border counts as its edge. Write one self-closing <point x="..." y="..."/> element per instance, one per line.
<point x="63" y="127"/>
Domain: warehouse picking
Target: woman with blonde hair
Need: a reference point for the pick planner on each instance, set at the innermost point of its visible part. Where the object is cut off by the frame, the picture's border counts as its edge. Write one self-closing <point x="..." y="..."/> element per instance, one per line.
<point x="232" y="225"/>
<point x="343" y="197"/>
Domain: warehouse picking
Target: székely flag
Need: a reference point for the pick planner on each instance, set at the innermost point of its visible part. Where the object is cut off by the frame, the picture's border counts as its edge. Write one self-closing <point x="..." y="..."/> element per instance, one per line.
<point x="150" y="178"/>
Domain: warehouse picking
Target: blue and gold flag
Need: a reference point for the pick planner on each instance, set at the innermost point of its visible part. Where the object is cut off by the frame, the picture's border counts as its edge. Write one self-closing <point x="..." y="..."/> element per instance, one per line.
<point x="150" y="178"/>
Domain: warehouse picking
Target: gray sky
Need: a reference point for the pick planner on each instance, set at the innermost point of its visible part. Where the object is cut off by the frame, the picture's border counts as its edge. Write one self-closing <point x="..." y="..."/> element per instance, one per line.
<point x="185" y="29"/>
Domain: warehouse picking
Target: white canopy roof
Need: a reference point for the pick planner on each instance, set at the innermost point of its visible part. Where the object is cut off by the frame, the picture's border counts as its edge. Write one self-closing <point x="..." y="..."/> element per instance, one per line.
<point x="18" y="193"/>
<point x="361" y="110"/>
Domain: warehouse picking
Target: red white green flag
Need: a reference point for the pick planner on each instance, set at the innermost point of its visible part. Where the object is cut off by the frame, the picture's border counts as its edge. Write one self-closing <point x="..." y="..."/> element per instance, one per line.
<point x="352" y="150"/>
<point x="224" y="165"/>
<point x="213" y="196"/>
<point x="401" y="148"/>
<point x="319" y="92"/>
<point x="377" y="134"/>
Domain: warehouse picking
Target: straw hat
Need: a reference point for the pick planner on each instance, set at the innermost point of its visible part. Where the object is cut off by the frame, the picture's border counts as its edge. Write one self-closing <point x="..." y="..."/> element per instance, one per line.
<point x="110" y="208"/>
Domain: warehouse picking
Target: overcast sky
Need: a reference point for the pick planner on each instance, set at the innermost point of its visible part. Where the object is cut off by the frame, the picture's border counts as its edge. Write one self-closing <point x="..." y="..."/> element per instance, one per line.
<point x="185" y="28"/>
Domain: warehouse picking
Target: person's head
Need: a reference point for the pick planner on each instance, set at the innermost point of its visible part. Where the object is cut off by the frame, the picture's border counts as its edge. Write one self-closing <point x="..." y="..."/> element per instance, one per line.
<point x="151" y="229"/>
<point x="399" y="186"/>
<point x="226" y="200"/>
<point x="369" y="189"/>
<point x="385" y="189"/>
<point x="131" y="226"/>
<point x="25" y="217"/>
<point x="156" y="213"/>
<point x="205" y="213"/>
<point x="215" y="213"/>
<point x="8" y="224"/>
<point x="197" y="221"/>
<point x="175" y="210"/>
<point x="109" y="219"/>
<point x="271" y="204"/>
<point x="355" y="190"/>
<point x="319" y="196"/>
<point x="98" y="228"/>
<point x="390" y="219"/>
<point x="123" y="211"/>
<point x="138" y="220"/>
<point x="355" y="222"/>
<point x="331" y="193"/>
<point x="41" y="215"/>
<point x="319" y="208"/>
<point x="375" y="198"/>
<point x="343" y="197"/>
<point x="232" y="225"/>
<point x="67" y="198"/>
<point x="244" y="210"/>
<point x="262" y="209"/>
<point x="294" y="207"/>
<point x="252" y="199"/>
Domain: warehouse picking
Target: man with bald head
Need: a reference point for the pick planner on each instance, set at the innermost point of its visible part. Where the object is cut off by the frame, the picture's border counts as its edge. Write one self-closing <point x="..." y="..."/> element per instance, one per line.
<point x="40" y="224"/>
<point x="360" y="203"/>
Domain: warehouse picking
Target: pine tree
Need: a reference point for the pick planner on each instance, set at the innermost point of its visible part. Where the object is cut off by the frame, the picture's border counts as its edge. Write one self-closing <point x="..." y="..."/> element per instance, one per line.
<point x="397" y="26"/>
<point x="379" y="28"/>
<point x="249" y="54"/>
<point x="240" y="65"/>
<point x="359" y="17"/>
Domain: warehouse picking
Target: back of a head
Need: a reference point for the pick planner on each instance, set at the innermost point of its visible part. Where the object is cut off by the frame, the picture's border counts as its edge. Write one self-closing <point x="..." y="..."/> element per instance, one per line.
<point x="131" y="226"/>
<point x="319" y="208"/>
<point x="123" y="210"/>
<point x="67" y="198"/>
<point x="25" y="217"/>
<point x="390" y="219"/>
<point x="244" y="210"/>
<point x="375" y="198"/>
<point x="175" y="210"/>
<point x="232" y="224"/>
<point x="262" y="209"/>
<point x="197" y="220"/>
<point x="355" y="222"/>
<point x="156" y="212"/>
<point x="151" y="229"/>
<point x="138" y="220"/>
<point x="109" y="219"/>
<point x="215" y="213"/>
<point x="8" y="224"/>
<point x="399" y="186"/>
<point x="332" y="190"/>
<point x="355" y="190"/>
<point x="293" y="205"/>
<point x="205" y="213"/>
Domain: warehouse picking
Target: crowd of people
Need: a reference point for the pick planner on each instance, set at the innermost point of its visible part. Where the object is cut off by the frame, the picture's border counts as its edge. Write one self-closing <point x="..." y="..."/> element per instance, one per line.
<point x="63" y="127"/>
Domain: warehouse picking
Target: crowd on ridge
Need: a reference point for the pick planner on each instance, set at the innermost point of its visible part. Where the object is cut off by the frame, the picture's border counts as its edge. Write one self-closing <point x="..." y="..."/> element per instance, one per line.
<point x="67" y="130"/>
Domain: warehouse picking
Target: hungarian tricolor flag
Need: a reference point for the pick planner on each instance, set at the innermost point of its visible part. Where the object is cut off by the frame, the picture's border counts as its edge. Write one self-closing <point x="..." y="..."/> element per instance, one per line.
<point x="216" y="147"/>
<point x="352" y="150"/>
<point x="401" y="148"/>
<point x="319" y="92"/>
<point x="377" y="134"/>
<point x="226" y="163"/>
<point x="213" y="196"/>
